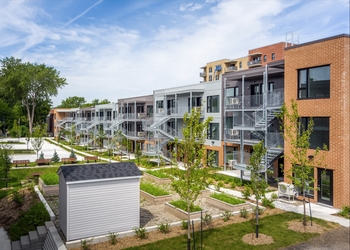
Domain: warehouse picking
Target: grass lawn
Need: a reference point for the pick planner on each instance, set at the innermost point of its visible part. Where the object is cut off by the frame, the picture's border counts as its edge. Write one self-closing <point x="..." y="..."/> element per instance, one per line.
<point x="17" y="175"/>
<point x="230" y="237"/>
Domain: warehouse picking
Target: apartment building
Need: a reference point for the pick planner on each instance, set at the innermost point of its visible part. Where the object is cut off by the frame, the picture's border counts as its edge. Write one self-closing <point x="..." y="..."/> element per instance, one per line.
<point x="260" y="57"/>
<point x="317" y="77"/>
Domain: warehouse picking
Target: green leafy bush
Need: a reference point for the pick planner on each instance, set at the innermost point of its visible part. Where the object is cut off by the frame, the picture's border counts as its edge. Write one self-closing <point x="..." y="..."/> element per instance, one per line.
<point x="164" y="228"/>
<point x="18" y="197"/>
<point x="207" y="219"/>
<point x="244" y="213"/>
<point x="267" y="202"/>
<point x="85" y="244"/>
<point x="50" y="178"/>
<point x="274" y="196"/>
<point x="226" y="216"/>
<point x="140" y="232"/>
<point x="184" y="224"/>
<point x="29" y="220"/>
<point x="153" y="189"/>
<point x="183" y="205"/>
<point x="112" y="238"/>
<point x="227" y="198"/>
<point x="260" y="210"/>
<point x="345" y="212"/>
<point x="246" y="192"/>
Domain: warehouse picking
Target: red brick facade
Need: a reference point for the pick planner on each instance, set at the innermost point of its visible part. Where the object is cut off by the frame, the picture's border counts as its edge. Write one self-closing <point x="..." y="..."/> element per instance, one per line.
<point x="333" y="51"/>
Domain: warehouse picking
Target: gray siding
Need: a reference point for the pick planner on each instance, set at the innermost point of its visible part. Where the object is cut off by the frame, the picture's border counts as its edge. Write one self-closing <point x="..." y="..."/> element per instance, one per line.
<point x="62" y="207"/>
<point x="97" y="208"/>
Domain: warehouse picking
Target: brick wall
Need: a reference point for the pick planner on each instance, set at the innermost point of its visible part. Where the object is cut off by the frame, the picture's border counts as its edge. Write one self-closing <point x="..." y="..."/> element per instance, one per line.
<point x="334" y="52"/>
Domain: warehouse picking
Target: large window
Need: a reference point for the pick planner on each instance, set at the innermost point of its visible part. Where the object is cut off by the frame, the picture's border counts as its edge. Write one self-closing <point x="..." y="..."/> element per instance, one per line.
<point x="213" y="104"/>
<point x="314" y="82"/>
<point x="232" y="92"/>
<point x="320" y="133"/>
<point x="213" y="131"/>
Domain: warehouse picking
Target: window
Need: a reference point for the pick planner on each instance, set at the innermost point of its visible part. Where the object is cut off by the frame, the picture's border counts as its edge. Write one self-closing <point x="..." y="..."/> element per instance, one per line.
<point x="210" y="78"/>
<point x="314" y="82"/>
<point x="273" y="56"/>
<point x="240" y="65"/>
<point x="320" y="133"/>
<point x="213" y="131"/>
<point x="217" y="77"/>
<point x="232" y="92"/>
<point x="265" y="58"/>
<point x="210" y="69"/>
<point x="213" y="104"/>
<point x="159" y="104"/>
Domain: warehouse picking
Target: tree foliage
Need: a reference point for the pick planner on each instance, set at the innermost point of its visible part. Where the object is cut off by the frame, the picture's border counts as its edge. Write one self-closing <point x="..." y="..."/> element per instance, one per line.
<point x="72" y="102"/>
<point x="37" y="141"/>
<point x="303" y="160"/>
<point x="189" y="182"/>
<point x="5" y="161"/>
<point x="258" y="183"/>
<point x="28" y="84"/>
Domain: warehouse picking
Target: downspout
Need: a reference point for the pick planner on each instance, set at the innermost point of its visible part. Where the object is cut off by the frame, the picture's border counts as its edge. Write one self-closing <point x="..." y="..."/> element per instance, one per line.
<point x="224" y="125"/>
<point x="241" y="131"/>
<point x="265" y="115"/>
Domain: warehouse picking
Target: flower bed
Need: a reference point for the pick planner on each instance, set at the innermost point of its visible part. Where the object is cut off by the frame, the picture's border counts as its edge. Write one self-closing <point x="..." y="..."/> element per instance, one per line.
<point x="156" y="179"/>
<point x="180" y="213"/>
<point x="227" y="202"/>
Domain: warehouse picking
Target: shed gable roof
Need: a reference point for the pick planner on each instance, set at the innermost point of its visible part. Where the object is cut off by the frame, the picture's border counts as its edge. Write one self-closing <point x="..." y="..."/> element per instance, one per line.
<point x="99" y="171"/>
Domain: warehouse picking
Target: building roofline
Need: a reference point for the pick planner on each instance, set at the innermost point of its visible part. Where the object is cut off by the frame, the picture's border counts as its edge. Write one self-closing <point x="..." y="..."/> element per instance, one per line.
<point x="318" y="41"/>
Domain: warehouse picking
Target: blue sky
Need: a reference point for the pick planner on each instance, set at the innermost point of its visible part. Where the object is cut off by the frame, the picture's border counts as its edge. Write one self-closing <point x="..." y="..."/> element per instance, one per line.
<point x="124" y="48"/>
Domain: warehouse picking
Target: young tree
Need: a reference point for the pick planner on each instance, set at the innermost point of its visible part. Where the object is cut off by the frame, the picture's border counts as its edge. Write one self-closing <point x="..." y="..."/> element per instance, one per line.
<point x="29" y="84"/>
<point x="189" y="183"/>
<point x="258" y="182"/>
<point x="138" y="152"/>
<point x="5" y="161"/>
<point x="55" y="157"/>
<point x="302" y="160"/>
<point x="38" y="141"/>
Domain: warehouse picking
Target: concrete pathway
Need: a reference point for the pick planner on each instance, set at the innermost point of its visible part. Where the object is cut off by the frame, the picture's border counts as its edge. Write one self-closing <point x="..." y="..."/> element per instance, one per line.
<point x="5" y="243"/>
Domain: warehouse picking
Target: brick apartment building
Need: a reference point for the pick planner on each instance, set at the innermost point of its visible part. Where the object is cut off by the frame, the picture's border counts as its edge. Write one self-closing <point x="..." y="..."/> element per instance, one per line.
<point x="317" y="77"/>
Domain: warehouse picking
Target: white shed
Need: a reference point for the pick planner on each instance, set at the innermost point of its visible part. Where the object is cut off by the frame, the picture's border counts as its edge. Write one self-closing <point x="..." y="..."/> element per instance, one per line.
<point x="95" y="199"/>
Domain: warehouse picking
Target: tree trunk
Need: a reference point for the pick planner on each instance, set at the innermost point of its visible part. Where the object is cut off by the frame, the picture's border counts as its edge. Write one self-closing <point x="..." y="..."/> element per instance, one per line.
<point x="188" y="227"/>
<point x="257" y="219"/>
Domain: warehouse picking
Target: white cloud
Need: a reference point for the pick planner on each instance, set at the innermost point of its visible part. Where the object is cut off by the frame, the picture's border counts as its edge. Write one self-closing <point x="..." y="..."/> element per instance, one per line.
<point x="190" y="7"/>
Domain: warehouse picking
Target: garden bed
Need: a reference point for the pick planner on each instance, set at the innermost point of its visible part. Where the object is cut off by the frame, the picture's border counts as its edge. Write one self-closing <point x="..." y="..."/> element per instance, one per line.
<point x="155" y="199"/>
<point x="178" y="212"/>
<point x="48" y="190"/>
<point x="156" y="179"/>
<point x="227" y="206"/>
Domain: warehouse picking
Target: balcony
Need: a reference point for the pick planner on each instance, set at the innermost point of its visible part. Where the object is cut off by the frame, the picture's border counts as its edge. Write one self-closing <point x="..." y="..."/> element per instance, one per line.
<point x="231" y="69"/>
<point x="202" y="74"/>
<point x="254" y="63"/>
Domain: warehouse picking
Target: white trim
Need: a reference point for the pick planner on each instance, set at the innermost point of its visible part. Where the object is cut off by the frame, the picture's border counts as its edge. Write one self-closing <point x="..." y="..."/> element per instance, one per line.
<point x="103" y="179"/>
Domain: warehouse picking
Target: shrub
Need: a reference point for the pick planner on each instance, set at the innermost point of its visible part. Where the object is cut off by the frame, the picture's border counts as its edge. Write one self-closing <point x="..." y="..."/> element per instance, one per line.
<point x="184" y="224"/>
<point x="112" y="238"/>
<point x="233" y="184"/>
<point x="41" y="155"/>
<point x="183" y="205"/>
<point x="345" y="212"/>
<point x="55" y="157"/>
<point x="226" y="216"/>
<point x="18" y="197"/>
<point x="227" y="198"/>
<point x="246" y="192"/>
<point x="152" y="189"/>
<point x="140" y="232"/>
<point x="260" y="210"/>
<point x="274" y="196"/>
<point x="164" y="228"/>
<point x="219" y="185"/>
<point x="207" y="219"/>
<point x="85" y="244"/>
<point x="29" y="220"/>
<point x="72" y="154"/>
<point x="267" y="202"/>
<point x="50" y="178"/>
<point x="244" y="213"/>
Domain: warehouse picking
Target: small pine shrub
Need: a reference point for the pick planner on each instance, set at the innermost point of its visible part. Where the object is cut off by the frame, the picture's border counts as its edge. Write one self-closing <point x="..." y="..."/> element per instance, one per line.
<point x="164" y="228"/>
<point x="226" y="216"/>
<point x="140" y="232"/>
<point x="184" y="225"/>
<point x="55" y="157"/>
<point x="243" y="213"/>
<point x="41" y="156"/>
<point x="112" y="238"/>
<point x="72" y="154"/>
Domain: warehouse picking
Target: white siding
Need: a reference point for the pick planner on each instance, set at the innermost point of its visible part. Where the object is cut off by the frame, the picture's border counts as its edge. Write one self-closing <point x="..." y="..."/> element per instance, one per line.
<point x="98" y="208"/>
<point x="62" y="207"/>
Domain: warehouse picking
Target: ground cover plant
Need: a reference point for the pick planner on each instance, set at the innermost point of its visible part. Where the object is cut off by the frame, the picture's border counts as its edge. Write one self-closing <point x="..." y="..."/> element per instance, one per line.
<point x="50" y="178"/>
<point x="183" y="205"/>
<point x="17" y="175"/>
<point x="153" y="189"/>
<point x="230" y="236"/>
<point x="158" y="173"/>
<point x="227" y="198"/>
<point x="35" y="216"/>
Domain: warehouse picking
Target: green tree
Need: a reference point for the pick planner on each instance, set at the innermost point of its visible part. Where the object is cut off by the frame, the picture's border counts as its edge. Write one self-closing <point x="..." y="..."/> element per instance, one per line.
<point x="5" y="161"/>
<point x="138" y="152"/>
<point x="258" y="182"/>
<point x="72" y="102"/>
<point x="298" y="138"/>
<point x="55" y="157"/>
<point x="29" y="84"/>
<point x="37" y="141"/>
<point x="189" y="183"/>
